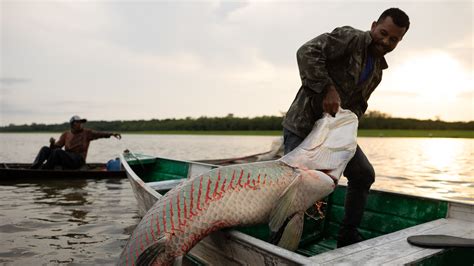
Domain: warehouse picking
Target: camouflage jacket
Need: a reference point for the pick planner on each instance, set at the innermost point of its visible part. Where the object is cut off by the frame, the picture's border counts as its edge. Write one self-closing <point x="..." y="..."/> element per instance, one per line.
<point x="336" y="58"/>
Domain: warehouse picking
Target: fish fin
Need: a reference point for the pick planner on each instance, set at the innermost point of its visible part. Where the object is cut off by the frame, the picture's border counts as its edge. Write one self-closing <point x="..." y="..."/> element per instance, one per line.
<point x="283" y="208"/>
<point x="275" y="237"/>
<point x="149" y="255"/>
<point x="292" y="234"/>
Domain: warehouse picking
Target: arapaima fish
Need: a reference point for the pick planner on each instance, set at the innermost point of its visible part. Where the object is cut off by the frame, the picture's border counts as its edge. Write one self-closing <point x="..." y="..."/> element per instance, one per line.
<point x="274" y="192"/>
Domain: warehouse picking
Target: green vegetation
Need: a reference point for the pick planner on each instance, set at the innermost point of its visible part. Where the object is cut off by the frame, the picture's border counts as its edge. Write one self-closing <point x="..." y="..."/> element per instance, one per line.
<point x="361" y="133"/>
<point x="215" y="132"/>
<point x="415" y="133"/>
<point x="373" y="124"/>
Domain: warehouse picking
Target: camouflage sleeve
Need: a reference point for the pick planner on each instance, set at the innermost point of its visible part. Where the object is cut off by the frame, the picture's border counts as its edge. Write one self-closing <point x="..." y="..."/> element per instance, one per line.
<point x="313" y="55"/>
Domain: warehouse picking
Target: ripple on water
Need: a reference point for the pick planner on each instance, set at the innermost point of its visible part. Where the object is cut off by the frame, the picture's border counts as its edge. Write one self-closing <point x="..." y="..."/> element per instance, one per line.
<point x="446" y="181"/>
<point x="66" y="222"/>
<point x="461" y="198"/>
<point x="394" y="177"/>
<point x="106" y="210"/>
<point x="11" y="229"/>
<point x="430" y="187"/>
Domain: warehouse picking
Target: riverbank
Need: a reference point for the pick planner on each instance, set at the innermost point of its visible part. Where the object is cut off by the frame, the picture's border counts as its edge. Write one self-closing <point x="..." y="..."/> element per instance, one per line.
<point x="361" y="133"/>
<point x="387" y="133"/>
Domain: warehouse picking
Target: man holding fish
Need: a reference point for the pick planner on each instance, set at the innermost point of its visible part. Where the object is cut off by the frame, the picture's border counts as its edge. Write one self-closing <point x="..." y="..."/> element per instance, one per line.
<point x="340" y="70"/>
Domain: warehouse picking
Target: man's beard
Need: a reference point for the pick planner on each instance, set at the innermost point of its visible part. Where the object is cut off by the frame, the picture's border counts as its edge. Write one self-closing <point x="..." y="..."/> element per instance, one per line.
<point x="378" y="50"/>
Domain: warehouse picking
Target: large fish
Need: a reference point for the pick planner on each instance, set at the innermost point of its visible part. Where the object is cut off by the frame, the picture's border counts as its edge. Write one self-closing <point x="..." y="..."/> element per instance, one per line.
<point x="275" y="192"/>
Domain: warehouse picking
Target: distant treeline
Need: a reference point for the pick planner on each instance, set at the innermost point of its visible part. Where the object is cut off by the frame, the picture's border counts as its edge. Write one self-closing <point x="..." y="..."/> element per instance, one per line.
<point x="371" y="120"/>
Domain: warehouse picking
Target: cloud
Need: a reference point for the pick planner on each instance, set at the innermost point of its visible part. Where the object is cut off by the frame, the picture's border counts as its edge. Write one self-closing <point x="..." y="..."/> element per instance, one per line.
<point x="13" y="80"/>
<point x="157" y="59"/>
<point x="462" y="49"/>
<point x="467" y="95"/>
<point x="14" y="109"/>
<point x="225" y="9"/>
<point x="393" y="93"/>
<point x="59" y="111"/>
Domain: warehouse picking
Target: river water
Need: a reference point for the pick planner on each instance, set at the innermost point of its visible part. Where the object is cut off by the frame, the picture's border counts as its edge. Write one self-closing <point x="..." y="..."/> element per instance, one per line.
<point x="88" y="221"/>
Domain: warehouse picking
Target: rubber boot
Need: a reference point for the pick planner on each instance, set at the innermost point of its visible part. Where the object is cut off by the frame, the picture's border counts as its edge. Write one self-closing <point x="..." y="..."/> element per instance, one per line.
<point x="354" y="206"/>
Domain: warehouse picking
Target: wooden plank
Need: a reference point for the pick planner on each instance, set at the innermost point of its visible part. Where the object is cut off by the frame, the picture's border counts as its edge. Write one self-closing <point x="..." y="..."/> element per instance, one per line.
<point x="361" y="246"/>
<point x="461" y="211"/>
<point x="394" y="247"/>
<point x="235" y="248"/>
<point x="454" y="228"/>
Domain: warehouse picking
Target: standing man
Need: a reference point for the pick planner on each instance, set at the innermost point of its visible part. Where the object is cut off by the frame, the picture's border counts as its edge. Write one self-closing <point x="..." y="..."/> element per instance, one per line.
<point x="342" y="69"/>
<point x="76" y="144"/>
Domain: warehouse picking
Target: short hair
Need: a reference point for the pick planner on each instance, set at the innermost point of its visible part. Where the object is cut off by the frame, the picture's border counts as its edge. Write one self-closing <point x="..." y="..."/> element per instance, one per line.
<point x="399" y="17"/>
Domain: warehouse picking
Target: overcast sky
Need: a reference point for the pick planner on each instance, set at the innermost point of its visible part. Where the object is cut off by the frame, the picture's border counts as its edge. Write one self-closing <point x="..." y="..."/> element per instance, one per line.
<point x="123" y="60"/>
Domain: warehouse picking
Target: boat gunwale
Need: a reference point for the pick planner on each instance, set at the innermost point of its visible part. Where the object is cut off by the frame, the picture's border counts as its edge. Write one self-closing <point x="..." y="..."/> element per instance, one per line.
<point x="234" y="234"/>
<point x="21" y="171"/>
<point x="393" y="192"/>
<point x="266" y="247"/>
<point x="132" y="175"/>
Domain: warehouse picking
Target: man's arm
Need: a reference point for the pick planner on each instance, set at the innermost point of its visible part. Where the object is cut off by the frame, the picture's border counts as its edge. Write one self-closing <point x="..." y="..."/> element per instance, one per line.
<point x="98" y="135"/>
<point x="331" y="100"/>
<point x="58" y="144"/>
<point x="313" y="56"/>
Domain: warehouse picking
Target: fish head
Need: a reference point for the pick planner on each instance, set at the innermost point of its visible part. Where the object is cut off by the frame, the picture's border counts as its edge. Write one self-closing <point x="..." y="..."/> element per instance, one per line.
<point x="329" y="146"/>
<point x="315" y="186"/>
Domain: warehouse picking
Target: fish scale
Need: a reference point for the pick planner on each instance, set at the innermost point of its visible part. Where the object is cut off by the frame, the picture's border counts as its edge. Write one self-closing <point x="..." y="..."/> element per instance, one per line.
<point x="212" y="208"/>
<point x="246" y="194"/>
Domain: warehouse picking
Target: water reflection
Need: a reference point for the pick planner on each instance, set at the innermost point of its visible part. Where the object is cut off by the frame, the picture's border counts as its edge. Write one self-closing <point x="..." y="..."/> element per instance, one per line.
<point x="437" y="168"/>
<point x="442" y="156"/>
<point x="89" y="221"/>
<point x="73" y="221"/>
<point x="58" y="192"/>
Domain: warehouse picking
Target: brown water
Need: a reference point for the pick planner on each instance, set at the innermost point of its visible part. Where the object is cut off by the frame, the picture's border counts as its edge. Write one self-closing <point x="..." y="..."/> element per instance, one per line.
<point x="78" y="221"/>
<point x="89" y="221"/>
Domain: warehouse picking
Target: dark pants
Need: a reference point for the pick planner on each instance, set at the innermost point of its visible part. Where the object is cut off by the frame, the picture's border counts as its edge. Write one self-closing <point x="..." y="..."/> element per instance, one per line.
<point x="57" y="157"/>
<point x="360" y="175"/>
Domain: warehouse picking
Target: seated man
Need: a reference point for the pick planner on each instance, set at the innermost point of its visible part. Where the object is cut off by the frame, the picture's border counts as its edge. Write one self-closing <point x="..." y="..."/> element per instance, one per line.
<point x="76" y="143"/>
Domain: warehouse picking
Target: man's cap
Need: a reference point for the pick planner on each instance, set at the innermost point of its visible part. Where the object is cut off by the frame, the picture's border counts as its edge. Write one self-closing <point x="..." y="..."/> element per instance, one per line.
<point x="77" y="118"/>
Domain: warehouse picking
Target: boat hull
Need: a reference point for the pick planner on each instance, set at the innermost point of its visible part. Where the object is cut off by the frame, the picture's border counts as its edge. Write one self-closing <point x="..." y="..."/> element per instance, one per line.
<point x="388" y="216"/>
<point x="14" y="172"/>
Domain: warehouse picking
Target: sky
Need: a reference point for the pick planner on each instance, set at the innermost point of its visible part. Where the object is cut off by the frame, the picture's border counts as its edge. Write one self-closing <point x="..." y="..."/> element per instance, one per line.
<point x="128" y="60"/>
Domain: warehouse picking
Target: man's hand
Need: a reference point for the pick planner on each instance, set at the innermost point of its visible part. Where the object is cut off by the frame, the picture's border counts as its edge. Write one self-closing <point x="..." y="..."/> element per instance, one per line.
<point x="331" y="101"/>
<point x="52" y="141"/>
<point x="117" y="135"/>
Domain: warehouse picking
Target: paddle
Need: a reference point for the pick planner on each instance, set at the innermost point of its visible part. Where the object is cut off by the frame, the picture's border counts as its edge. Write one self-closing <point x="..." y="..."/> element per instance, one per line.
<point x="440" y="241"/>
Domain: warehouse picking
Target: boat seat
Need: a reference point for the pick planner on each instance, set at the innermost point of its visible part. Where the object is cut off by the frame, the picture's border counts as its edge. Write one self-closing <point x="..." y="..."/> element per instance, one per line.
<point x="393" y="248"/>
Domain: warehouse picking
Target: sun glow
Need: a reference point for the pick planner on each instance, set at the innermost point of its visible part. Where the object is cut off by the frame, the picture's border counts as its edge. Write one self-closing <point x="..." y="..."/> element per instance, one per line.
<point x="442" y="154"/>
<point x="427" y="85"/>
<point x="435" y="76"/>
